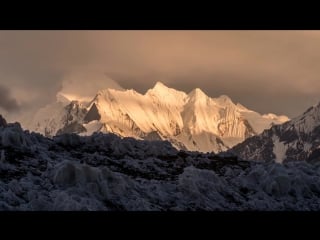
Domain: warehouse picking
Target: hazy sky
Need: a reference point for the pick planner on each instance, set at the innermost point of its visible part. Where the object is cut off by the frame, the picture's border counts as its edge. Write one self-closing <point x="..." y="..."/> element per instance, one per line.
<point x="267" y="71"/>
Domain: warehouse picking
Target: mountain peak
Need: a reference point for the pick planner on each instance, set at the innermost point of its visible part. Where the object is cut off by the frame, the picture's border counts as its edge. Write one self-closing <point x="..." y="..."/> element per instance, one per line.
<point x="197" y="93"/>
<point x="160" y="85"/>
<point x="166" y="94"/>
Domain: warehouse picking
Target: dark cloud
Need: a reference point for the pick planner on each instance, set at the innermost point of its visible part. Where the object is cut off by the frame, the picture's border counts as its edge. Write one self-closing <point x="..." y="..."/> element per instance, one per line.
<point x="267" y="71"/>
<point x="7" y="102"/>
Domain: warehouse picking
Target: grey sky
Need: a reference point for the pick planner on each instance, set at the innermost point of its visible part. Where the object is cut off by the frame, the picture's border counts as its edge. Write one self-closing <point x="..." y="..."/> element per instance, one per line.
<point x="267" y="71"/>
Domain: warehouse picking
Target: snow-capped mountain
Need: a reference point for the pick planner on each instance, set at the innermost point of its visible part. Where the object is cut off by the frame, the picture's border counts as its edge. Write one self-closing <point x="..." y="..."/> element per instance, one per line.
<point x="191" y="121"/>
<point x="105" y="172"/>
<point x="298" y="139"/>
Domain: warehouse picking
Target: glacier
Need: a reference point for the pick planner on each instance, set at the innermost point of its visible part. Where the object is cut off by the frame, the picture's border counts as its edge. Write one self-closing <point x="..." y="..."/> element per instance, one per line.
<point x="109" y="173"/>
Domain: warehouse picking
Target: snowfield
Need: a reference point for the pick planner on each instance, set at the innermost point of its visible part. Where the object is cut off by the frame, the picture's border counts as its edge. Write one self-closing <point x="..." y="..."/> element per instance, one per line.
<point x="105" y="172"/>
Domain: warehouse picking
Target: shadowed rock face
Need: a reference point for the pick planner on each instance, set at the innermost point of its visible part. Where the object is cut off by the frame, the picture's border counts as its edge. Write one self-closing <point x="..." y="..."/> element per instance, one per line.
<point x="74" y="127"/>
<point x="152" y="136"/>
<point x="3" y="122"/>
<point x="249" y="130"/>
<point x="92" y="115"/>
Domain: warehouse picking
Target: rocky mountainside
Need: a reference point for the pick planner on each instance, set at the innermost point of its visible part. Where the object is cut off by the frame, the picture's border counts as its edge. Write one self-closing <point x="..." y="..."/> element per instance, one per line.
<point x="298" y="139"/>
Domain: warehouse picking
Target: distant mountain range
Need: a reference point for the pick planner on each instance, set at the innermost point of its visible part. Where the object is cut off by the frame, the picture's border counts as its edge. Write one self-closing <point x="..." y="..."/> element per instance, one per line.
<point x="190" y="121"/>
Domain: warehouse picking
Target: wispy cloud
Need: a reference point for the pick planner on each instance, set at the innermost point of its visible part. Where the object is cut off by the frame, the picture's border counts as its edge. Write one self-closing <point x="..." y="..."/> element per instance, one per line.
<point x="7" y="102"/>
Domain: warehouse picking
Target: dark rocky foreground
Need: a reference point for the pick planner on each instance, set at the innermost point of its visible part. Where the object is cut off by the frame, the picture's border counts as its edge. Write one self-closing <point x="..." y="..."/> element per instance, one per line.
<point x="105" y="172"/>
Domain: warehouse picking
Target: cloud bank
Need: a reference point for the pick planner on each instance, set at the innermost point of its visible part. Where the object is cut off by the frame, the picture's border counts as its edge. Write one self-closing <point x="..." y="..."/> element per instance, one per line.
<point x="267" y="71"/>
